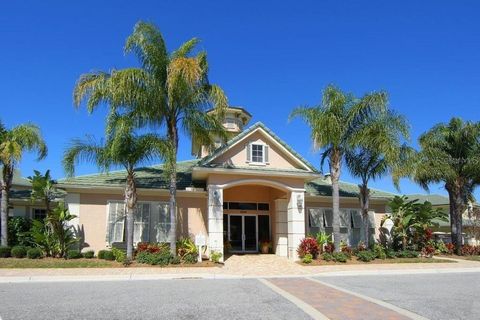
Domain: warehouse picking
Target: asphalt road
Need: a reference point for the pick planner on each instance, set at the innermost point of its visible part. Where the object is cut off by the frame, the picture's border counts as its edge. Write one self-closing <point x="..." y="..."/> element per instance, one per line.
<point x="434" y="296"/>
<point x="159" y="299"/>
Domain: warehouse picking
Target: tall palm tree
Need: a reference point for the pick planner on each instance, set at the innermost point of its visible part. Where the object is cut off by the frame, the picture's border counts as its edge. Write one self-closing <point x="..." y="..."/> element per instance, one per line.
<point x="337" y="126"/>
<point x="124" y="148"/>
<point x="170" y="92"/>
<point x="13" y="144"/>
<point x="450" y="154"/>
<point x="383" y="153"/>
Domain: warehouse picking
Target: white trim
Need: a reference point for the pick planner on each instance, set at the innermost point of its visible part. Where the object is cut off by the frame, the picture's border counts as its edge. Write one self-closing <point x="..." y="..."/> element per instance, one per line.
<point x="263" y="182"/>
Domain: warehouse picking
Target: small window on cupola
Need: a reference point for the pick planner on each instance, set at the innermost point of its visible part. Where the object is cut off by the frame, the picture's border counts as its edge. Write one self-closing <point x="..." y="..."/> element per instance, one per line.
<point x="257" y="153"/>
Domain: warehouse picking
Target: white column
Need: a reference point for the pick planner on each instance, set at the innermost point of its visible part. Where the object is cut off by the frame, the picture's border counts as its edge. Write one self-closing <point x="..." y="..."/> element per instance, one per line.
<point x="215" y="219"/>
<point x="281" y="228"/>
<point x="296" y="222"/>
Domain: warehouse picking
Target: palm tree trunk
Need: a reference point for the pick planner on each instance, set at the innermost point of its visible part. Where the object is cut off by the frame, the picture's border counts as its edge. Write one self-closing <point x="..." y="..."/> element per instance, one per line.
<point x="4" y="216"/>
<point x="335" y="164"/>
<point x="456" y="212"/>
<point x="5" y="184"/>
<point x="172" y="235"/>
<point x="364" y="204"/>
<point x="131" y="202"/>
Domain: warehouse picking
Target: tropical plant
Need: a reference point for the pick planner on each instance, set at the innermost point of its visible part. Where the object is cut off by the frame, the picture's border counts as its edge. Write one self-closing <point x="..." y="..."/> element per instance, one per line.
<point x="322" y="239"/>
<point x="54" y="235"/>
<point x="13" y="144"/>
<point x="18" y="231"/>
<point x="307" y="259"/>
<point x="169" y="91"/>
<point x="58" y="221"/>
<point x="308" y="245"/>
<point x="338" y="125"/>
<point x="450" y="154"/>
<point x="383" y="152"/>
<point x="215" y="256"/>
<point x="412" y="218"/>
<point x="44" y="189"/>
<point x="185" y="248"/>
<point x="19" y="252"/>
<point x="123" y="147"/>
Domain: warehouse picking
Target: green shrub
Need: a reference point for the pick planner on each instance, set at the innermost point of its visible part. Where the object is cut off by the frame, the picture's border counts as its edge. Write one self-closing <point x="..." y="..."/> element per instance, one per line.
<point x="119" y="255"/>
<point x="18" y="231"/>
<point x="390" y="254"/>
<point x="191" y="258"/>
<point x="215" y="256"/>
<point x="327" y="256"/>
<point x="105" y="255"/>
<point x="339" y="257"/>
<point x="89" y="254"/>
<point x="379" y="251"/>
<point x="175" y="260"/>
<point x="308" y="258"/>
<point x="162" y="259"/>
<point x="73" y="254"/>
<point x="34" y="253"/>
<point x="185" y="246"/>
<point x="407" y="254"/>
<point x="5" y="252"/>
<point x="366" y="255"/>
<point x="19" y="252"/>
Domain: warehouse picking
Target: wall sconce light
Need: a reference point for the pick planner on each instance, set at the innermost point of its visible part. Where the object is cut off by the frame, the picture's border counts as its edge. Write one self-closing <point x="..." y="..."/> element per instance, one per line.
<point x="216" y="197"/>
<point x="299" y="202"/>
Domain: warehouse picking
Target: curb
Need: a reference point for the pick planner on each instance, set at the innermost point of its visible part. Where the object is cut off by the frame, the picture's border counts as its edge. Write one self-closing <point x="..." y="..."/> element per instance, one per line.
<point x="214" y="276"/>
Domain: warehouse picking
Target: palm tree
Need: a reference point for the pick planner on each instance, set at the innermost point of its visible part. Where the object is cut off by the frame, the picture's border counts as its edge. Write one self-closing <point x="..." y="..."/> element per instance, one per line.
<point x="450" y="154"/>
<point x="383" y="152"/>
<point x="122" y="148"/>
<point x="170" y="91"/>
<point x="336" y="127"/>
<point x="13" y="144"/>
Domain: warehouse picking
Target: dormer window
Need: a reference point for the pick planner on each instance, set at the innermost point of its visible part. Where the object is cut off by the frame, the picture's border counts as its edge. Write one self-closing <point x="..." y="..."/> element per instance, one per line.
<point x="257" y="153"/>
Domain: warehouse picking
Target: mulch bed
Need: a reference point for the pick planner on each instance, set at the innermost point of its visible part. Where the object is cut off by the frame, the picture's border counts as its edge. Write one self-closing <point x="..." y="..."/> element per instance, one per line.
<point x="354" y="260"/>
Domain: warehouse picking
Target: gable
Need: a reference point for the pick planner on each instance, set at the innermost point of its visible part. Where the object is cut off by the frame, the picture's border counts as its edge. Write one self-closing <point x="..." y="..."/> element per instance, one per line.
<point x="243" y="152"/>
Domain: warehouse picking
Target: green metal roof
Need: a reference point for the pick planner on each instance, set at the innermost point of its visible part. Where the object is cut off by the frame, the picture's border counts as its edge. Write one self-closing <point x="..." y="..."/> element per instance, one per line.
<point x="220" y="150"/>
<point x="323" y="187"/>
<point x="434" y="199"/>
<point x="147" y="177"/>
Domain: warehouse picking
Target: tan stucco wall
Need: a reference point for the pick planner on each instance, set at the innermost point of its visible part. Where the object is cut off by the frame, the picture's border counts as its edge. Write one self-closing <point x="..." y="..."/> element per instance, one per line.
<point x="191" y="216"/>
<point x="237" y="155"/>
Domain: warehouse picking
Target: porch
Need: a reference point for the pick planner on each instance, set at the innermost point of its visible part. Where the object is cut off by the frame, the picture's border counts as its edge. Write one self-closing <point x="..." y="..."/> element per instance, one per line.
<point x="244" y="213"/>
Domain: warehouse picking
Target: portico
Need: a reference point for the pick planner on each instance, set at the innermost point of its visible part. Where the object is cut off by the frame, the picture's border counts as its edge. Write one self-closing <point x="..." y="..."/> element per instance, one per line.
<point x="243" y="212"/>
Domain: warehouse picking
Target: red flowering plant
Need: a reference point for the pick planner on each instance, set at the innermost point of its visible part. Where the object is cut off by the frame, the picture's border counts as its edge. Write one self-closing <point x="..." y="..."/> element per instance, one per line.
<point x="450" y="247"/>
<point x="152" y="247"/>
<point x="428" y="251"/>
<point x="469" y="250"/>
<point x="329" y="247"/>
<point x="308" y="245"/>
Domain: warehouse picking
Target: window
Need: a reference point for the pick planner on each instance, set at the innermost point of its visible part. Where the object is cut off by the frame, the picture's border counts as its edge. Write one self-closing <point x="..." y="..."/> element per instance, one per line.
<point x="39" y="214"/>
<point x="257" y="153"/>
<point x="316" y="218"/>
<point x="151" y="222"/>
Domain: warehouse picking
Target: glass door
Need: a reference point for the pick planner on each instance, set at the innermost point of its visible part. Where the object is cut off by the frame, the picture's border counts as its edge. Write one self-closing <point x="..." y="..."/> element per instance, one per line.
<point x="250" y="233"/>
<point x="243" y="233"/>
<point x="236" y="232"/>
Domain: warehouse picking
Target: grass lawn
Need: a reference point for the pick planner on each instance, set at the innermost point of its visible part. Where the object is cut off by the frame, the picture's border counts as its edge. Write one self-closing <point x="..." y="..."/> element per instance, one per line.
<point x="12" y="263"/>
<point x="321" y="262"/>
<point x="57" y="263"/>
<point x="473" y="258"/>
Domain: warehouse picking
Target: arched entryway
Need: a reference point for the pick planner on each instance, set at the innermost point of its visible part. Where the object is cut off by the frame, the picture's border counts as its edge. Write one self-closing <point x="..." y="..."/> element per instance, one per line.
<point x="243" y="213"/>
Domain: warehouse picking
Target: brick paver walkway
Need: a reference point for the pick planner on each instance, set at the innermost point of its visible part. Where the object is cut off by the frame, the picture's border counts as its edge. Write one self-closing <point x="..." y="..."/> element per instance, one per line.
<point x="332" y="303"/>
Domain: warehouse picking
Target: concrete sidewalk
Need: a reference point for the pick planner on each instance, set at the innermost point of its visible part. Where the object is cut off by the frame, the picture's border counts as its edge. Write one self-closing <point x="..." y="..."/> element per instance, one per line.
<point x="257" y="266"/>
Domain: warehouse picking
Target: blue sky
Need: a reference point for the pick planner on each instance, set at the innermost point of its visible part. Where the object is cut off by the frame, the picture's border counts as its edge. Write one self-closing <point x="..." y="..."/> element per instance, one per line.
<point x="268" y="56"/>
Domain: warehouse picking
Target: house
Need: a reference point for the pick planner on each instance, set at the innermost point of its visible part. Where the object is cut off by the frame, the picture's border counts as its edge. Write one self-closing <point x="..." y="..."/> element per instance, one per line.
<point x="255" y="187"/>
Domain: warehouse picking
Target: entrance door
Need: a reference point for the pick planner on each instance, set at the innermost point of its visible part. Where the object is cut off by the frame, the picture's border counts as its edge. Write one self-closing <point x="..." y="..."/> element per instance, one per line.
<point x="243" y="233"/>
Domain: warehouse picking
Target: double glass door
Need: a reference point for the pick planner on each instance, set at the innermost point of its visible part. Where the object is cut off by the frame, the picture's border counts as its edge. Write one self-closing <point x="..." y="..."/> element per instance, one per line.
<point x="243" y="232"/>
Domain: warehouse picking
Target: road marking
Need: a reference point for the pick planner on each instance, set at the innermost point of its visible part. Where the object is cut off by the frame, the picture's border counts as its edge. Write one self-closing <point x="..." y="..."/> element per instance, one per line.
<point x="305" y="307"/>
<point x="387" y="305"/>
